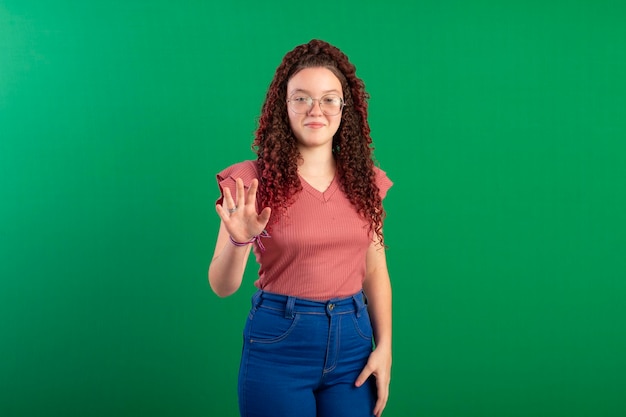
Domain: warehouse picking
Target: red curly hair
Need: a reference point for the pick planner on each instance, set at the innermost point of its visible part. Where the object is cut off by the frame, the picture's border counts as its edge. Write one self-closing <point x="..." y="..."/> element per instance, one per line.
<point x="276" y="146"/>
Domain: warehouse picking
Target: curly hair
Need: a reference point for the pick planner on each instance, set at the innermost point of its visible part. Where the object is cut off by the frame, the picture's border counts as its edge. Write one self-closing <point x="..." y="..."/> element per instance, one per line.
<point x="276" y="146"/>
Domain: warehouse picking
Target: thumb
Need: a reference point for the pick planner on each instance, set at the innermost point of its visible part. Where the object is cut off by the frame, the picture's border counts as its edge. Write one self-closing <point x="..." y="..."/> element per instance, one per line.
<point x="365" y="373"/>
<point x="264" y="216"/>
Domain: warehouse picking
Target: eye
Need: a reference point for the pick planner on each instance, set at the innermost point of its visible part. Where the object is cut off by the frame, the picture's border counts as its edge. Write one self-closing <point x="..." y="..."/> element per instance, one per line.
<point x="331" y="100"/>
<point x="300" y="99"/>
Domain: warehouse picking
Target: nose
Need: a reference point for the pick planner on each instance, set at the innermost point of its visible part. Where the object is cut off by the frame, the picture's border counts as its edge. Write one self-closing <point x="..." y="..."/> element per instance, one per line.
<point x="316" y="108"/>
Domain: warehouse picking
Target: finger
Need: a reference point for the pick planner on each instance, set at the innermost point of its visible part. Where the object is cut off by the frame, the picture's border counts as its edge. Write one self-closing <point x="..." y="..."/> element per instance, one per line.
<point x="365" y="373"/>
<point x="380" y="406"/>
<point x="228" y="199"/>
<point x="240" y="198"/>
<point x="224" y="213"/>
<point x="264" y="216"/>
<point x="382" y="395"/>
<point x="220" y="211"/>
<point x="251" y="195"/>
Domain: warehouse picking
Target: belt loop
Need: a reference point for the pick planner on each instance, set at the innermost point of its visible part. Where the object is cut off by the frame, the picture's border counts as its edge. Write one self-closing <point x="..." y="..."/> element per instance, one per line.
<point x="359" y="302"/>
<point x="291" y="301"/>
<point x="256" y="299"/>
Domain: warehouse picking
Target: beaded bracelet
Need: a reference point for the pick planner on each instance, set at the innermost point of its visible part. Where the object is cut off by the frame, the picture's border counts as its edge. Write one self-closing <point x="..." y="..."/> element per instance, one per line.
<point x="256" y="239"/>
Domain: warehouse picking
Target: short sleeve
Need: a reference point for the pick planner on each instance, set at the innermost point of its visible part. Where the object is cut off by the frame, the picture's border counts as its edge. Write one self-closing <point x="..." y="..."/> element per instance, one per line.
<point x="245" y="170"/>
<point x="382" y="181"/>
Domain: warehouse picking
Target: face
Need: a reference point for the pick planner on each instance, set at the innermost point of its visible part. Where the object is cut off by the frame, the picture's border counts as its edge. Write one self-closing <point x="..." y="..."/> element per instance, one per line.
<point x="312" y="127"/>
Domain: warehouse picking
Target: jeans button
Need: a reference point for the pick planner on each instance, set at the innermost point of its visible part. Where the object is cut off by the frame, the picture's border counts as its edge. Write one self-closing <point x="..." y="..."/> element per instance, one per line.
<point x="331" y="307"/>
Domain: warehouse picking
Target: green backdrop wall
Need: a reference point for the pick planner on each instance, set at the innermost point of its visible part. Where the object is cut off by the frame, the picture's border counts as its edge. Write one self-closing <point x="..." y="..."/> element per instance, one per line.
<point x="502" y="124"/>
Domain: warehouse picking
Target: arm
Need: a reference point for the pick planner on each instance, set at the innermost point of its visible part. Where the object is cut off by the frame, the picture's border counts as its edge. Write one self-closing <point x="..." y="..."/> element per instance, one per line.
<point x="228" y="264"/>
<point x="377" y="288"/>
<point x="229" y="261"/>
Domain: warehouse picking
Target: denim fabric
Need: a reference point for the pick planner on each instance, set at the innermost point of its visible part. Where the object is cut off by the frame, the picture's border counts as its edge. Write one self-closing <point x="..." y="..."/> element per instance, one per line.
<point x="301" y="358"/>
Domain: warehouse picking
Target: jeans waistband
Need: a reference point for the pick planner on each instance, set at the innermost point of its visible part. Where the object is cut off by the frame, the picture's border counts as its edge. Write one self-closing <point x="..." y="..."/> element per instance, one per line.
<point x="293" y="305"/>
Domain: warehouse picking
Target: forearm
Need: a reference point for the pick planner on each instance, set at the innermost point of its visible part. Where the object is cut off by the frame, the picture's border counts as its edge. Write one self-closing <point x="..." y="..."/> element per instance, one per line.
<point x="377" y="288"/>
<point x="227" y="266"/>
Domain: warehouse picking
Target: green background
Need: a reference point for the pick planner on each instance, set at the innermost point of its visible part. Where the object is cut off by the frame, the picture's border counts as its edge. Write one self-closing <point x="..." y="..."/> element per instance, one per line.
<point x="502" y="124"/>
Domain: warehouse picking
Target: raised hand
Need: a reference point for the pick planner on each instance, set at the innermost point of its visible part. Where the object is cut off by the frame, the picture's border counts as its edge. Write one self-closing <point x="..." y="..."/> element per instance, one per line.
<point x="239" y="215"/>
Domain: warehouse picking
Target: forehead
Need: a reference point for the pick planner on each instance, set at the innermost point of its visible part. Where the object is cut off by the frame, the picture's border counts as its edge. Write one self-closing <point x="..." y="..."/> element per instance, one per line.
<point x="314" y="80"/>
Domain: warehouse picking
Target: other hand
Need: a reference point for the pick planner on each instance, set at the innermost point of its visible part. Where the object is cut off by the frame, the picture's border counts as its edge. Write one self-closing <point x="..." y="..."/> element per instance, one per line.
<point x="379" y="365"/>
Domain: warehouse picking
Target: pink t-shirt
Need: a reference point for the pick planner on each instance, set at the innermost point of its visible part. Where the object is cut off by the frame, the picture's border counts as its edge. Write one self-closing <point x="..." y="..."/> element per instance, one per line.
<point x="317" y="250"/>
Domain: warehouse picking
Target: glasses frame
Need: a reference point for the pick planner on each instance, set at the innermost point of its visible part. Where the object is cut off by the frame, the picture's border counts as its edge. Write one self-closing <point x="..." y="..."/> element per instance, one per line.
<point x="312" y="100"/>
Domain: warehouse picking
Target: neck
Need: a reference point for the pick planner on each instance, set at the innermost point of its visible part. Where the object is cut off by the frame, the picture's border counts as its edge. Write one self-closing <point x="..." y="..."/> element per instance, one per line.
<point x="316" y="162"/>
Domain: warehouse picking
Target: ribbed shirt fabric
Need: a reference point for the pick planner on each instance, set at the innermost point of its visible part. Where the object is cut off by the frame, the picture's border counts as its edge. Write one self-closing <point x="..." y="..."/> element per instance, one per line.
<point x="317" y="250"/>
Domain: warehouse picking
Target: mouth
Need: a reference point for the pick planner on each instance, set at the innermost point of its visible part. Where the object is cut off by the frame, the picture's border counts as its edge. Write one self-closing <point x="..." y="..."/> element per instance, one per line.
<point x="314" y="125"/>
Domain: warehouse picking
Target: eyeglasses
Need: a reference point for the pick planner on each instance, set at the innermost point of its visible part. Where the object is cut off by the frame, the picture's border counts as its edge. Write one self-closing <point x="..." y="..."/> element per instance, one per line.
<point x="330" y="104"/>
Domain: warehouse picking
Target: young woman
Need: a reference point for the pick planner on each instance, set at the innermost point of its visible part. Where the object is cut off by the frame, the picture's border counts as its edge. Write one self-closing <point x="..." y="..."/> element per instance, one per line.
<point x="317" y="341"/>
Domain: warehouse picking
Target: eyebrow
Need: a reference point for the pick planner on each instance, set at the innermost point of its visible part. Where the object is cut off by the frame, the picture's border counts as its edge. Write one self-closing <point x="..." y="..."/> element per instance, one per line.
<point x="301" y="90"/>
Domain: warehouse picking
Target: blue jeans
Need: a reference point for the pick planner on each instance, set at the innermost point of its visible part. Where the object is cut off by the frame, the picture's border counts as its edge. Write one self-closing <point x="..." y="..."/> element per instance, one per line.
<point x="301" y="358"/>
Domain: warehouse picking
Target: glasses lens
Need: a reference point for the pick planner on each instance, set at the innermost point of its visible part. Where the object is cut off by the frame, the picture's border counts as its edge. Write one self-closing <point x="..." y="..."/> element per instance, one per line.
<point x="300" y="104"/>
<point x="330" y="104"/>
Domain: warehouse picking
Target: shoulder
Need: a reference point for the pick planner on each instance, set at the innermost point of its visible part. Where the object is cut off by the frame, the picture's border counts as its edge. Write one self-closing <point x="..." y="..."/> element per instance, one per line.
<point x="382" y="181"/>
<point x="246" y="170"/>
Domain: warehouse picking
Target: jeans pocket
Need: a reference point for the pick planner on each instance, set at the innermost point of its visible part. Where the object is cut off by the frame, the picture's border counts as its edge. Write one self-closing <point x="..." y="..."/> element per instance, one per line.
<point x="269" y="326"/>
<point x="363" y="324"/>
